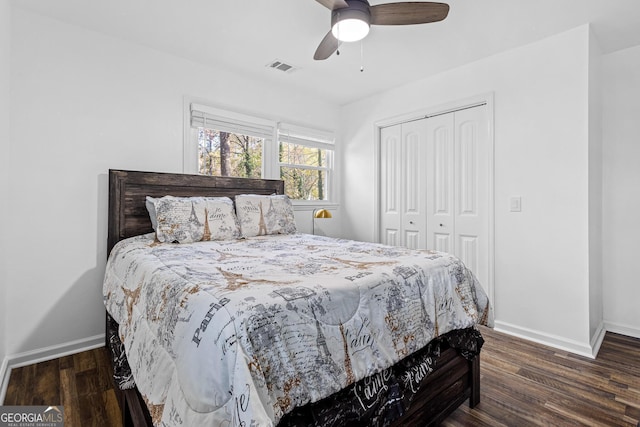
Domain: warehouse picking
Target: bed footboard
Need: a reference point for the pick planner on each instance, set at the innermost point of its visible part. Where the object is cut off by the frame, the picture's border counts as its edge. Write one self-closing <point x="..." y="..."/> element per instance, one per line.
<point x="454" y="380"/>
<point x="449" y="386"/>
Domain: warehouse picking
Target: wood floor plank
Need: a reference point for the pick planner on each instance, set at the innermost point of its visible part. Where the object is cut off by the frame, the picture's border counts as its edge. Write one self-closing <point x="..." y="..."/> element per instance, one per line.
<point x="69" y="394"/>
<point x="13" y="394"/>
<point x="509" y="393"/>
<point x="92" y="410"/>
<point x="84" y="361"/>
<point x="66" y="362"/>
<point x="584" y="391"/>
<point x="523" y="384"/>
<point x="88" y="382"/>
<point x="23" y="394"/>
<point x="46" y="389"/>
<point x="112" y="410"/>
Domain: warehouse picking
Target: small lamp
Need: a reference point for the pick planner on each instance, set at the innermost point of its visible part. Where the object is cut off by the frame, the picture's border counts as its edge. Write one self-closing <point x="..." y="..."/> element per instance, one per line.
<point x="319" y="213"/>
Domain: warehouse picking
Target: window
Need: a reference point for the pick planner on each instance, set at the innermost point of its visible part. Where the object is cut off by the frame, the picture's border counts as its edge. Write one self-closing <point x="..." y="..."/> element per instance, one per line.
<point x="238" y="145"/>
<point x="305" y="159"/>
<point x="229" y="144"/>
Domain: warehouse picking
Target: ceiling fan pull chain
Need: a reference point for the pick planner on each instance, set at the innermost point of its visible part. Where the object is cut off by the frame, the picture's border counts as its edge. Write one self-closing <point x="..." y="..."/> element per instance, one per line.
<point x="361" y="56"/>
<point x="338" y="37"/>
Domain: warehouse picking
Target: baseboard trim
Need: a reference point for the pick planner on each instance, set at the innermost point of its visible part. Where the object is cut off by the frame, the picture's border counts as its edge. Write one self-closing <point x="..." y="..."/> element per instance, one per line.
<point x="596" y="340"/>
<point x="4" y="377"/>
<point x="42" y="355"/>
<point x="618" y="328"/>
<point x="550" y="340"/>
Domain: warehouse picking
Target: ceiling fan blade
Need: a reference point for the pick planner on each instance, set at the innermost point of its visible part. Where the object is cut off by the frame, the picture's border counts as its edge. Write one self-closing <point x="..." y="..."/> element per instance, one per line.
<point x="328" y="45"/>
<point x="406" y="13"/>
<point x="333" y="4"/>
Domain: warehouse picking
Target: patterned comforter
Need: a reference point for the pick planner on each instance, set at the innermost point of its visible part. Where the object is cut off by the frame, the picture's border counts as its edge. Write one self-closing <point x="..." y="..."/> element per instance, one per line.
<point x="241" y="332"/>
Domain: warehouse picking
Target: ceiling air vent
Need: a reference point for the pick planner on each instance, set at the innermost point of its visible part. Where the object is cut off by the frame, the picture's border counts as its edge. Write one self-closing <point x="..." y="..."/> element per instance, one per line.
<point x="282" y="66"/>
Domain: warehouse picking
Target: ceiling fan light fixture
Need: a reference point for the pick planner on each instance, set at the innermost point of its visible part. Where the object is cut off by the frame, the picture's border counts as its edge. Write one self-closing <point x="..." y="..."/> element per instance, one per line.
<point x="350" y="30"/>
<point x="351" y="24"/>
<point x="350" y="20"/>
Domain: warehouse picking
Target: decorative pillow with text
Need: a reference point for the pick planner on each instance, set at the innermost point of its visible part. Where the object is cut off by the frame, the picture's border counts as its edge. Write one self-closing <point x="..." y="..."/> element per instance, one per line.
<point x="194" y="219"/>
<point x="262" y="215"/>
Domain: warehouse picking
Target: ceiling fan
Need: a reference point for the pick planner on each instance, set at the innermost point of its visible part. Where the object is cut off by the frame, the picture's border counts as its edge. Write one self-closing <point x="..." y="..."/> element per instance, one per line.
<point x="350" y="19"/>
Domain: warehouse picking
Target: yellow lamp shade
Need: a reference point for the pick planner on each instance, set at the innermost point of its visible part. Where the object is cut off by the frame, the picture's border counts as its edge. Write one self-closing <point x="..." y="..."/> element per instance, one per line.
<point x="322" y="213"/>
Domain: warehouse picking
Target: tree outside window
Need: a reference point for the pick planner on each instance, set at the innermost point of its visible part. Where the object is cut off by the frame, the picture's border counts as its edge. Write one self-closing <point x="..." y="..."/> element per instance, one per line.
<point x="233" y="144"/>
<point x="229" y="154"/>
<point x="304" y="170"/>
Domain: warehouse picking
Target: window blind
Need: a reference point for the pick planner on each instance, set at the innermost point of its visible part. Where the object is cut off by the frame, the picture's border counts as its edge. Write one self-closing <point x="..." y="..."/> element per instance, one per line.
<point x="211" y="118"/>
<point x="305" y="136"/>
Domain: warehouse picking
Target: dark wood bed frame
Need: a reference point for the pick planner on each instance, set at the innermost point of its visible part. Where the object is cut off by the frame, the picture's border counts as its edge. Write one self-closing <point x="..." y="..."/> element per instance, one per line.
<point x="455" y="379"/>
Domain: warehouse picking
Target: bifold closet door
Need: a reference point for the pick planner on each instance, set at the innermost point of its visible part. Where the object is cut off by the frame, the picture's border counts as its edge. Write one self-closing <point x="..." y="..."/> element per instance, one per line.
<point x="458" y="187"/>
<point x="390" y="202"/>
<point x="440" y="183"/>
<point x="403" y="185"/>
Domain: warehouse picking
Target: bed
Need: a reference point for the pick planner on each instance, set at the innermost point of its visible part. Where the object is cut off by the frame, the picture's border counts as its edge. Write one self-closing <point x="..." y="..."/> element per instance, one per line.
<point x="325" y="370"/>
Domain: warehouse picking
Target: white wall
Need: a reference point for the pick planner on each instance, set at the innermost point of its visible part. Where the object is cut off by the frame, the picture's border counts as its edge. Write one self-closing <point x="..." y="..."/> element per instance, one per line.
<point x="82" y="103"/>
<point x="596" y="325"/>
<point x="5" y="37"/>
<point x="621" y="226"/>
<point x="541" y="154"/>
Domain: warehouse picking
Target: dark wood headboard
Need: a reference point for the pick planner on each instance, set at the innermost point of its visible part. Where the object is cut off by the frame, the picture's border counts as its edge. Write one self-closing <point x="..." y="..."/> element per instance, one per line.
<point x="128" y="214"/>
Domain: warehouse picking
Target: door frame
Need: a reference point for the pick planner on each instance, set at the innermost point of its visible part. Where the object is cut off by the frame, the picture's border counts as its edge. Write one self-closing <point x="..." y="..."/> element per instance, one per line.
<point x="486" y="99"/>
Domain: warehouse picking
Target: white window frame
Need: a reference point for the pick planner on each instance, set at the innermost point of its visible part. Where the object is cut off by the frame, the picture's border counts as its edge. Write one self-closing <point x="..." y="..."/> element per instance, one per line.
<point x="229" y="121"/>
<point x="313" y="138"/>
<point x="252" y="125"/>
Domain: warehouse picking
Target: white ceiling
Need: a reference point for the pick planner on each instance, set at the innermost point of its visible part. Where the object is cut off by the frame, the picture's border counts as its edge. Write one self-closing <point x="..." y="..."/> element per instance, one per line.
<point x="245" y="35"/>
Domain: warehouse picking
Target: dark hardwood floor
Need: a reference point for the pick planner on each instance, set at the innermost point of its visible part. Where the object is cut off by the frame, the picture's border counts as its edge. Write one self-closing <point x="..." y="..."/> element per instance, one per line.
<point x="527" y="384"/>
<point x="523" y="384"/>
<point x="82" y="383"/>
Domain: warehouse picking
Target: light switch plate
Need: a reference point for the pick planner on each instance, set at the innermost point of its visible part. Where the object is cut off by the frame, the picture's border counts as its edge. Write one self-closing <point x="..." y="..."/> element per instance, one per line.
<point x="515" y="204"/>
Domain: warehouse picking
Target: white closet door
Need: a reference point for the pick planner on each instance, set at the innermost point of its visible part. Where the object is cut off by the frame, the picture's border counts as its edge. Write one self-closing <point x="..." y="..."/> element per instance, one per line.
<point x="472" y="190"/>
<point x="458" y="187"/>
<point x="402" y="185"/>
<point x="440" y="183"/>
<point x="434" y="185"/>
<point x="414" y="221"/>
<point x="390" y="182"/>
